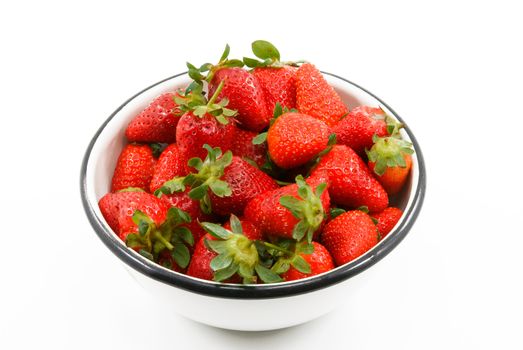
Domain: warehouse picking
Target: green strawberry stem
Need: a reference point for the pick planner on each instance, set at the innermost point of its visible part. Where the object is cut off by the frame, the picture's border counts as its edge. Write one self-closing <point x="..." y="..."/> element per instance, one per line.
<point x="275" y="247"/>
<point x="216" y="93"/>
<point x="157" y="235"/>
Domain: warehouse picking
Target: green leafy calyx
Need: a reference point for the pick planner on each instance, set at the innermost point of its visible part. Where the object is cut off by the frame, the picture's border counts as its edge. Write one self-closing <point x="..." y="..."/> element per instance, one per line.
<point x="237" y="254"/>
<point x="151" y="240"/>
<point x="193" y="100"/>
<point x="308" y="208"/>
<point x="388" y="152"/>
<point x="209" y="176"/>
<point x="287" y="253"/>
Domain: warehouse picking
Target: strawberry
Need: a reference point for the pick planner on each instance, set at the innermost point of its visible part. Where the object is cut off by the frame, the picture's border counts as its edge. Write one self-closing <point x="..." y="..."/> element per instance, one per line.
<point x="243" y="147"/>
<point x="295" y="138"/>
<point x="278" y="85"/>
<point x="387" y="219"/>
<point x="134" y="168"/>
<point x="204" y="122"/>
<point x="170" y="164"/>
<point x="148" y="225"/>
<point x="359" y="126"/>
<point x="276" y="78"/>
<point x="245" y="182"/>
<point x="157" y="122"/>
<point x="222" y="184"/>
<point x="245" y="95"/>
<point x="229" y="256"/>
<point x="390" y="159"/>
<point x="319" y="261"/>
<point x="351" y="182"/>
<point x="315" y="97"/>
<point x="293" y="211"/>
<point x="349" y="236"/>
<point x="118" y="209"/>
<point x="240" y="88"/>
<point x="200" y="264"/>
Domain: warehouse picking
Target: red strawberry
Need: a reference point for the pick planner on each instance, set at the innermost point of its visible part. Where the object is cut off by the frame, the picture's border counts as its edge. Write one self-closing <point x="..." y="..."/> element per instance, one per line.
<point x="390" y="159"/>
<point x="276" y="78"/>
<point x="148" y="225"/>
<point x="226" y="183"/>
<point x="359" y="126"/>
<point x="200" y="265"/>
<point x="294" y="139"/>
<point x="351" y="182"/>
<point x="315" y="97"/>
<point x="319" y="261"/>
<point x="294" y="211"/>
<point x="278" y="85"/>
<point x="349" y="236"/>
<point x="118" y="209"/>
<point x="204" y="122"/>
<point x="243" y="147"/>
<point x="387" y="219"/>
<point x="242" y="90"/>
<point x="170" y="164"/>
<point x="229" y="256"/>
<point x="134" y="168"/>
<point x="245" y="182"/>
<point x="156" y="123"/>
<point x="245" y="94"/>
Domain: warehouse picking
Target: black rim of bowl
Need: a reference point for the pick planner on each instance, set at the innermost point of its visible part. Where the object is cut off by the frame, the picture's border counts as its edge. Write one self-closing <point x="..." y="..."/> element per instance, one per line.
<point x="233" y="291"/>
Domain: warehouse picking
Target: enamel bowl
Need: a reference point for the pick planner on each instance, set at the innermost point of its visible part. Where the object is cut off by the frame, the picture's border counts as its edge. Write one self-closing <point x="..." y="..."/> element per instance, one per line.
<point x="207" y="302"/>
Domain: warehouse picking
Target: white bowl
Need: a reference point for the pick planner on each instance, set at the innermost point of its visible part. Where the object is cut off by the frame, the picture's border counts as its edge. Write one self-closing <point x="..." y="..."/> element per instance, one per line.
<point x="232" y="306"/>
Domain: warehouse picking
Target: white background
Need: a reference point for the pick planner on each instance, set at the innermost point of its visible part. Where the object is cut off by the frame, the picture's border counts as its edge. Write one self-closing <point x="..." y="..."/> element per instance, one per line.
<point x="452" y="70"/>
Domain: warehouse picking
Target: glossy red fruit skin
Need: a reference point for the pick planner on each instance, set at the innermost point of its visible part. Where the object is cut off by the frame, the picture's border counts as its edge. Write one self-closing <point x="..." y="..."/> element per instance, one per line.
<point x="193" y="132"/>
<point x="272" y="218"/>
<point x="157" y="122"/>
<point x="245" y="182"/>
<point x="349" y="236"/>
<point x="359" y="126"/>
<point x="278" y="84"/>
<point x="118" y="209"/>
<point x="393" y="179"/>
<point x="170" y="164"/>
<point x="351" y="182"/>
<point x="134" y="168"/>
<point x="200" y="265"/>
<point x="245" y="95"/>
<point x="183" y="202"/>
<point x="320" y="261"/>
<point x="250" y="230"/>
<point x="315" y="97"/>
<point x="387" y="219"/>
<point x="243" y="147"/>
<point x="295" y="138"/>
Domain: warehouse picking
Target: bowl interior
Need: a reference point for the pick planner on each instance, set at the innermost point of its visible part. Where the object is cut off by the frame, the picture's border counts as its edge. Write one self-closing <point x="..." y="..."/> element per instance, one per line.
<point x="106" y="147"/>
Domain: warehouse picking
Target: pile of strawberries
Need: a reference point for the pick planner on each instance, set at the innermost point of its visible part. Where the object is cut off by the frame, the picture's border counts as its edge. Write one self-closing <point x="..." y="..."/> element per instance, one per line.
<point x="257" y="174"/>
